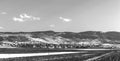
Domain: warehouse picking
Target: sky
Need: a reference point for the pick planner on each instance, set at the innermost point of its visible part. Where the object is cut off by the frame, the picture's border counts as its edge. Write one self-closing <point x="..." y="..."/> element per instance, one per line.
<point x="59" y="15"/>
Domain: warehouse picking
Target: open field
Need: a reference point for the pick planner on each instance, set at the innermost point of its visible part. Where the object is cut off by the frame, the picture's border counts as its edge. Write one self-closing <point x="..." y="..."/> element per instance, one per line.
<point x="32" y="50"/>
<point x="59" y="54"/>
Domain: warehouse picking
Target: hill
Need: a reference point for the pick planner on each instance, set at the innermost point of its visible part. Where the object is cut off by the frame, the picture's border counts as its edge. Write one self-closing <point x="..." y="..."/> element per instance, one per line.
<point x="57" y="38"/>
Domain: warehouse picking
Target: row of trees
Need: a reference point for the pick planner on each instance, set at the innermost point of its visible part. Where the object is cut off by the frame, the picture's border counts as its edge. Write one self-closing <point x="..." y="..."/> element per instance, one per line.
<point x="52" y="46"/>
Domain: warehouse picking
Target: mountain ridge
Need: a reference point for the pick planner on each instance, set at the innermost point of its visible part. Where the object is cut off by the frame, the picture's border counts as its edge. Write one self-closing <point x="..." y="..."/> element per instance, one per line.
<point x="63" y="39"/>
<point x="91" y="35"/>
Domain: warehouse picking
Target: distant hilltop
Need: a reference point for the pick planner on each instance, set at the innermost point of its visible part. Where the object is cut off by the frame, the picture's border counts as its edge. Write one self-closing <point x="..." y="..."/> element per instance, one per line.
<point x="51" y="39"/>
<point x="61" y="37"/>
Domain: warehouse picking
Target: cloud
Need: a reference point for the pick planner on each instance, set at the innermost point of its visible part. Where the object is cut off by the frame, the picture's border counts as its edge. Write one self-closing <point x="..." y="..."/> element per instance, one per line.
<point x="25" y="17"/>
<point x="18" y="19"/>
<point x="65" y="19"/>
<point x="52" y="25"/>
<point x="3" y="12"/>
<point x="1" y="28"/>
